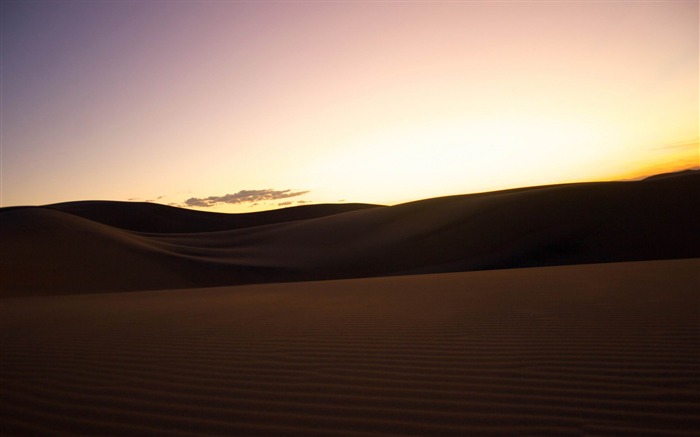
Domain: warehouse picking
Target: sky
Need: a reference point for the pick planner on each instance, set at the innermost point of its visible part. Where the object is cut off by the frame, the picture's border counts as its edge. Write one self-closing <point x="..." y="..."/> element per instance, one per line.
<point x="244" y="106"/>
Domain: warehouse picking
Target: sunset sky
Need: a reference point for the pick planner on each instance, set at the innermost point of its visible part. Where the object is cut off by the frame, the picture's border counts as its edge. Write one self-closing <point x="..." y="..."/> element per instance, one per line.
<point x="242" y="106"/>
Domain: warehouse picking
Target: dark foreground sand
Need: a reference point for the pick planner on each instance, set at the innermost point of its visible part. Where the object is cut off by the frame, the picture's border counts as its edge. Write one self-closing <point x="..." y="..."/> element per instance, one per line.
<point x="607" y="349"/>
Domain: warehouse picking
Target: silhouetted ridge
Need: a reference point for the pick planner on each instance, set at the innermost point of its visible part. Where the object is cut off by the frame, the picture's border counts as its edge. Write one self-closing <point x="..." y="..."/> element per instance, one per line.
<point x="674" y="174"/>
<point x="153" y="217"/>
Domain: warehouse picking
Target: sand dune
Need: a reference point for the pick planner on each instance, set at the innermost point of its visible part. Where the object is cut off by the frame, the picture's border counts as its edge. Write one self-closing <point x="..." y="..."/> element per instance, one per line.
<point x="592" y="346"/>
<point x="152" y="217"/>
<point x="58" y="249"/>
<point x="607" y="349"/>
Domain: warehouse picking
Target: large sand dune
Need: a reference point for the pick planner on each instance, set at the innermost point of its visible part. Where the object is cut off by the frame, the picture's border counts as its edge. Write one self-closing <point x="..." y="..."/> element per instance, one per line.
<point x="591" y="346"/>
<point x="103" y="246"/>
<point x="597" y="350"/>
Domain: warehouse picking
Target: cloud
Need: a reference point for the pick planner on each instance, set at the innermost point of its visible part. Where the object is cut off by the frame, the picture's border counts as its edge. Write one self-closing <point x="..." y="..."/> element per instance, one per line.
<point x="154" y="200"/>
<point x="196" y="202"/>
<point x="243" y="196"/>
<point x="284" y="203"/>
<point x="139" y="199"/>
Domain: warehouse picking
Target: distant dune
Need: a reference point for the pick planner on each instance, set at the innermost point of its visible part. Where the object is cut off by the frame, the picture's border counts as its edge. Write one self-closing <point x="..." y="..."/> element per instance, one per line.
<point x="152" y="217"/>
<point x="594" y="350"/>
<point x="84" y="247"/>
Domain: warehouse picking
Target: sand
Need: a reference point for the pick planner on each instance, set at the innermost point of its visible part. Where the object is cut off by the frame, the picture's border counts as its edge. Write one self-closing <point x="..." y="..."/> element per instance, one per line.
<point x="605" y="349"/>
<point x="558" y="310"/>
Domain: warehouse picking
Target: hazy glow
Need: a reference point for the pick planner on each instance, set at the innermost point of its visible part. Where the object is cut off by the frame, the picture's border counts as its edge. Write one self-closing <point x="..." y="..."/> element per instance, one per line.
<point x="368" y="102"/>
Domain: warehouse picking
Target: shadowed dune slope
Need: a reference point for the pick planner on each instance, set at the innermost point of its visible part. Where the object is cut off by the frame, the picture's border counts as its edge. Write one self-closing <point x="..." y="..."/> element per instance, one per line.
<point x="152" y="217"/>
<point x="47" y="251"/>
<point x="596" y="350"/>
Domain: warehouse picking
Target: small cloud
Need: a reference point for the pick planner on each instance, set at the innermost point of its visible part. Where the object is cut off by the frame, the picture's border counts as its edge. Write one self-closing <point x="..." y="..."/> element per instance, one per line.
<point x="284" y="203"/>
<point x="301" y="202"/>
<point x="196" y="202"/>
<point x="243" y="196"/>
<point x="139" y="199"/>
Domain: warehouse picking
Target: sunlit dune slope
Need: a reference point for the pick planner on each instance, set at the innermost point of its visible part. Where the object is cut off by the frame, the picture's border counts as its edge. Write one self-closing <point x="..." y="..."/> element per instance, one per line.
<point x="47" y="251"/>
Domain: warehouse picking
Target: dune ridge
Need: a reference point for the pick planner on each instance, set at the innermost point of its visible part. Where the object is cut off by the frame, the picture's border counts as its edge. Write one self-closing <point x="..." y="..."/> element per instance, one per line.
<point x="51" y="250"/>
<point x="152" y="217"/>
<point x="605" y="349"/>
